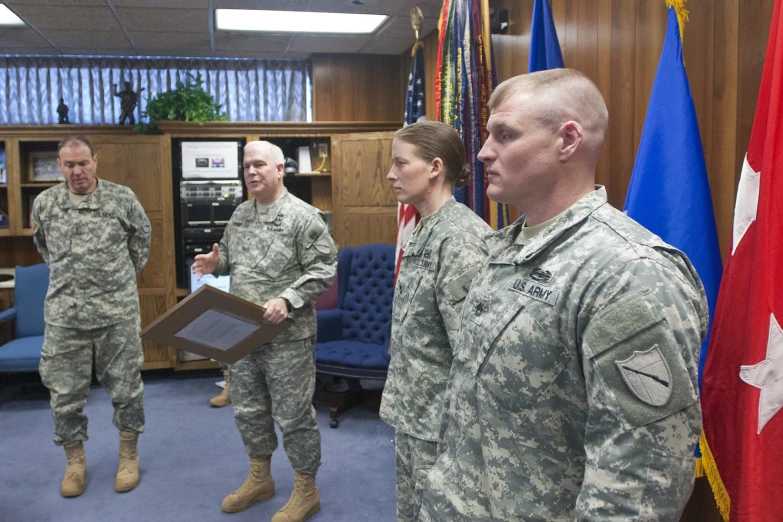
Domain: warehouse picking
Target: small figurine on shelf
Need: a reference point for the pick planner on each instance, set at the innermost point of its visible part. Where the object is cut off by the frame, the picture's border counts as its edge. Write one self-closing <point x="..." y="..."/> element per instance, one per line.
<point x="62" y="112"/>
<point x="128" y="100"/>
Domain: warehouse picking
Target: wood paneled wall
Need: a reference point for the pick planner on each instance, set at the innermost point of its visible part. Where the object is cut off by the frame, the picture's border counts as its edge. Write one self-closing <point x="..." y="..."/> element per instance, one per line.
<point x="617" y="43"/>
<point x="358" y="87"/>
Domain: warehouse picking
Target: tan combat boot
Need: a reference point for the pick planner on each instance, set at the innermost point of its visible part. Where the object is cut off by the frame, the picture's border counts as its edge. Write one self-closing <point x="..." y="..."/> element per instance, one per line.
<point x="305" y="500"/>
<point x="258" y="486"/>
<point x="75" y="470"/>
<point x="224" y="398"/>
<point x="128" y="471"/>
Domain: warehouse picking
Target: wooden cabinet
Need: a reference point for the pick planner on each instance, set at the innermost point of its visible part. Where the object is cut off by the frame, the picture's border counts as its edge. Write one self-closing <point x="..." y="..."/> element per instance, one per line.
<point x="363" y="197"/>
<point x="6" y="302"/>
<point x="138" y="162"/>
<point x="352" y="186"/>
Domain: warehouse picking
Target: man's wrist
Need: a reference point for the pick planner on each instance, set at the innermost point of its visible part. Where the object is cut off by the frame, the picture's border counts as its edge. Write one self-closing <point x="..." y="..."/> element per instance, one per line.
<point x="288" y="305"/>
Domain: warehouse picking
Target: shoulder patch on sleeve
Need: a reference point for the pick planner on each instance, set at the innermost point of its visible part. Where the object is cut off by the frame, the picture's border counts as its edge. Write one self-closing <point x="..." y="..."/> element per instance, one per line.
<point x="322" y="245"/>
<point x="635" y="352"/>
<point x="458" y="288"/>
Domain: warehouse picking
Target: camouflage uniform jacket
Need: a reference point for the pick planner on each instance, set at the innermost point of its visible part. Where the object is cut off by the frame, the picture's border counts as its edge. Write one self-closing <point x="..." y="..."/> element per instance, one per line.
<point x="286" y="252"/>
<point x="95" y="250"/>
<point x="442" y="257"/>
<point x="553" y="413"/>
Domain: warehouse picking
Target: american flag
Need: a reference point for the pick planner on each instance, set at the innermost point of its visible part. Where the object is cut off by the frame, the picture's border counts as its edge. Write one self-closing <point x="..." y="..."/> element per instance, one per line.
<point x="407" y="215"/>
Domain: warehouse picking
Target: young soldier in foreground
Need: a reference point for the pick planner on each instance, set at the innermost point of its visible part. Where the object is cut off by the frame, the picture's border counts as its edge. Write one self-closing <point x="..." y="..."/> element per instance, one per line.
<point x="573" y="393"/>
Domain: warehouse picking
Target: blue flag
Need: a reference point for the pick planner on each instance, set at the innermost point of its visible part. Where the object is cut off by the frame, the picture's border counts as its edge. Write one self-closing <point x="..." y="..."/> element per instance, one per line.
<point x="669" y="192"/>
<point x="544" y="45"/>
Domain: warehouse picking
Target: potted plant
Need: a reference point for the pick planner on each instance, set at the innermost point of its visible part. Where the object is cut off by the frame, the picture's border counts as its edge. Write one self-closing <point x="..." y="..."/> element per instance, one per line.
<point x="188" y="101"/>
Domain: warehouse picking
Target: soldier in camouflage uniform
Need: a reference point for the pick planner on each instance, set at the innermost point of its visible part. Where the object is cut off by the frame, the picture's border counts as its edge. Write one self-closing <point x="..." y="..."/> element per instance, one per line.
<point x="95" y="237"/>
<point x="280" y="255"/>
<point x="440" y="260"/>
<point x="573" y="393"/>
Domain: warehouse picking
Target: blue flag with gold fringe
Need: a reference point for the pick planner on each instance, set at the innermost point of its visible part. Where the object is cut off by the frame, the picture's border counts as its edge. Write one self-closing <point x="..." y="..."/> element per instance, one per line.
<point x="669" y="192"/>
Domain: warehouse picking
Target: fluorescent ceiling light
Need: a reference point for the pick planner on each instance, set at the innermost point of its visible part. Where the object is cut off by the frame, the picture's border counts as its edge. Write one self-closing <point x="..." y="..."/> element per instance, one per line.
<point x="295" y="21"/>
<point x="9" y="18"/>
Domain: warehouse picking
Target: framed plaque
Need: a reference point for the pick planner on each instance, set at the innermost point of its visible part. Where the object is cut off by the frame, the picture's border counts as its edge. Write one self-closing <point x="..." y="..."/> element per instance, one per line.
<point x="214" y="324"/>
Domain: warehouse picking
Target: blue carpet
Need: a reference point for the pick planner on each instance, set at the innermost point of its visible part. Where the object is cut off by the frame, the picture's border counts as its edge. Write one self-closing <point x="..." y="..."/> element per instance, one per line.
<point x="191" y="456"/>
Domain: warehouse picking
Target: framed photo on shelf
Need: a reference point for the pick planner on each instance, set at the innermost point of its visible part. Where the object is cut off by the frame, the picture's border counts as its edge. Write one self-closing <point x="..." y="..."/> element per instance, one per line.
<point x="43" y="167"/>
<point x="3" y="172"/>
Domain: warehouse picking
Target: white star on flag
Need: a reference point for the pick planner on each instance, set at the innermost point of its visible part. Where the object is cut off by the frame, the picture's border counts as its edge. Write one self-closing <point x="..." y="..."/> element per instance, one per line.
<point x="747" y="202"/>
<point x="767" y="375"/>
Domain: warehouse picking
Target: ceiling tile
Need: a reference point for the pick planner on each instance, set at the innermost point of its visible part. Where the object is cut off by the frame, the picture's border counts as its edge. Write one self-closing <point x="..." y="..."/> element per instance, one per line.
<point x="261" y="54"/>
<point x="59" y="3"/>
<point x="168" y="52"/>
<point x="96" y="40"/>
<point x="328" y="44"/>
<point x="387" y="7"/>
<point x="184" y="41"/>
<point x="93" y="52"/>
<point x="429" y="8"/>
<point x="180" y="4"/>
<point x="179" y="20"/>
<point x="21" y="37"/>
<point x="269" y="5"/>
<point x="400" y="27"/>
<point x="388" y="46"/>
<point x="68" y="17"/>
<point x="230" y="41"/>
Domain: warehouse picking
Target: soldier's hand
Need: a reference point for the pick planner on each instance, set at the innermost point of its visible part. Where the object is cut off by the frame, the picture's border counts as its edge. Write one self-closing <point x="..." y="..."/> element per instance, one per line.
<point x="206" y="263"/>
<point x="276" y="311"/>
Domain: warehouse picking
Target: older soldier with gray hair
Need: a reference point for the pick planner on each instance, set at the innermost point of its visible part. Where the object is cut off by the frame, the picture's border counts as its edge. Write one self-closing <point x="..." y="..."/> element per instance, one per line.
<point x="95" y="237"/>
<point x="280" y="255"/>
<point x="573" y="393"/>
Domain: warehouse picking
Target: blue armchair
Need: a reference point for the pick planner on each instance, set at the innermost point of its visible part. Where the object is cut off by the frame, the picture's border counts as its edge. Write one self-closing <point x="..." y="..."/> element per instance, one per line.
<point x="353" y="339"/>
<point x="23" y="352"/>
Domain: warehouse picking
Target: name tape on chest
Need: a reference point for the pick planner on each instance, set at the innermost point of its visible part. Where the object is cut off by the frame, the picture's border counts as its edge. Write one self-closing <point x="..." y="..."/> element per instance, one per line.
<point x="425" y="263"/>
<point x="530" y="288"/>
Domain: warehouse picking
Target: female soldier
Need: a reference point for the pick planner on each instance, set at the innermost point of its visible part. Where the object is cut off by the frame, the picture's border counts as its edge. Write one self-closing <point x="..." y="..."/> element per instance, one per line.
<point x="443" y="255"/>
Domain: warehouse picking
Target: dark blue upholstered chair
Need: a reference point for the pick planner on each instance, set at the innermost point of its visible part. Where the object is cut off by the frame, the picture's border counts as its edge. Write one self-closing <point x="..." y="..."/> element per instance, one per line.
<point x="23" y="352"/>
<point x="353" y="338"/>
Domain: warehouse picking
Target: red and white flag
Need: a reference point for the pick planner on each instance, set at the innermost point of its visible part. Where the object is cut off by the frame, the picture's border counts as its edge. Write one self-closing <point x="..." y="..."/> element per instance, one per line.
<point x="407" y="219"/>
<point x="742" y="387"/>
<point x="407" y="215"/>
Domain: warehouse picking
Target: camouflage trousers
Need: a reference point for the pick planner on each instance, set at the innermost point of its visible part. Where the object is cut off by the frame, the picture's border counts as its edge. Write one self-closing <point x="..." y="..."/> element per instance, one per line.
<point x="66" y="369"/>
<point x="276" y="384"/>
<point x="415" y="458"/>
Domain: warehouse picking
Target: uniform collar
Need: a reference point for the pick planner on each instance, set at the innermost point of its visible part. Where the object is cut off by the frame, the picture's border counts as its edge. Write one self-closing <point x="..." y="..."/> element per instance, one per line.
<point x="92" y="203"/>
<point x="274" y="208"/>
<point x="422" y="232"/>
<point x="528" y="249"/>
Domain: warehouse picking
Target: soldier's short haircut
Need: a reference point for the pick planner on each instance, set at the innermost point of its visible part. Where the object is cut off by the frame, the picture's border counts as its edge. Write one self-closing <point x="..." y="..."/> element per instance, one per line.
<point x="271" y="150"/>
<point x="75" y="138"/>
<point x="559" y="95"/>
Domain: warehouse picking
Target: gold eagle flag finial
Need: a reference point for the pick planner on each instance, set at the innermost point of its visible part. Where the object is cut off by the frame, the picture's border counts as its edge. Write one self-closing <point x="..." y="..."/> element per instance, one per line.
<point x="416" y="18"/>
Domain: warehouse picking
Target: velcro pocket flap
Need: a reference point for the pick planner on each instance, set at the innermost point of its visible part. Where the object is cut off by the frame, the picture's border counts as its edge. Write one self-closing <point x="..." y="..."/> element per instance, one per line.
<point x="458" y="288"/>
